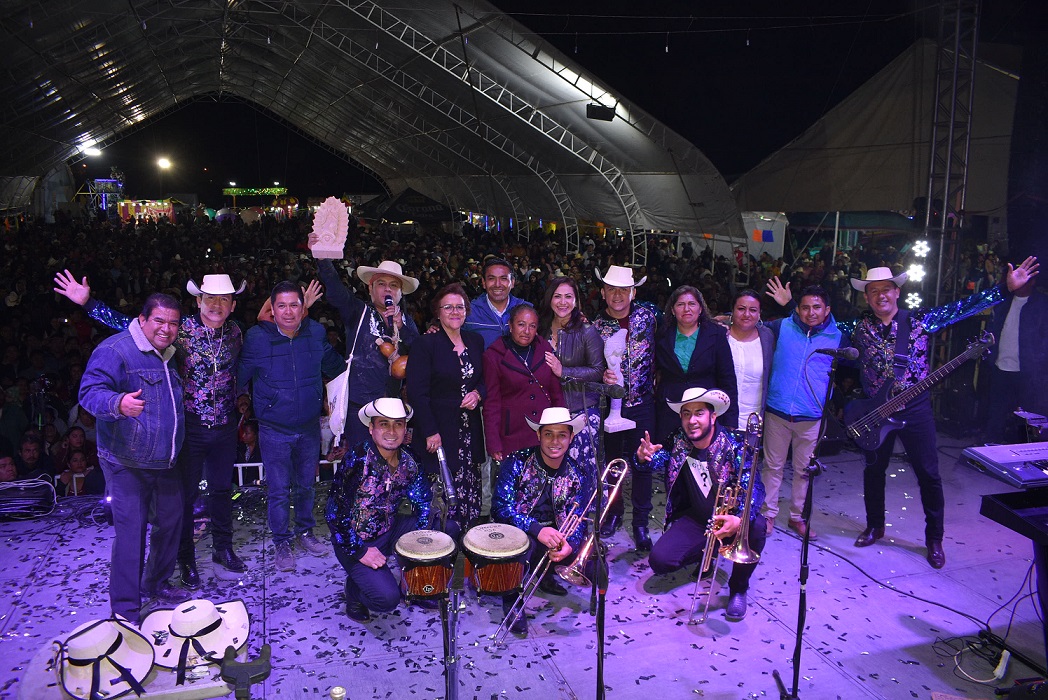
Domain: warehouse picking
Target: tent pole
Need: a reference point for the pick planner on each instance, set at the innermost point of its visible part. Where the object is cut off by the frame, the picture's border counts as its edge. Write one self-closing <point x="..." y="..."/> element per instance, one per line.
<point x="836" y="232"/>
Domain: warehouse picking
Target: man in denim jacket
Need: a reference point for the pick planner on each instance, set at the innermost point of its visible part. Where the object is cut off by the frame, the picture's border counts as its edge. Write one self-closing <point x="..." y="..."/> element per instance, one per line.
<point x="132" y="388"/>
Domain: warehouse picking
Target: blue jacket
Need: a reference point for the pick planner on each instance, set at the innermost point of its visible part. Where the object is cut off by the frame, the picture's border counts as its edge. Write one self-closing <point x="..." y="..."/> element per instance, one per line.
<point x="122" y="364"/>
<point x="285" y="373"/>
<point x="796" y="389"/>
<point x="484" y="320"/>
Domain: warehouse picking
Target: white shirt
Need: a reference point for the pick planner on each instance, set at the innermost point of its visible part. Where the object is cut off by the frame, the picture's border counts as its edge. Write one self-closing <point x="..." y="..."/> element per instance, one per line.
<point x="748" y="357"/>
<point x="1008" y="347"/>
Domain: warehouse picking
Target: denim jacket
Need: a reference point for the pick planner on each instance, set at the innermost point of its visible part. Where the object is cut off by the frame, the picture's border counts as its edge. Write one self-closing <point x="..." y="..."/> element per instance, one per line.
<point x="122" y="364"/>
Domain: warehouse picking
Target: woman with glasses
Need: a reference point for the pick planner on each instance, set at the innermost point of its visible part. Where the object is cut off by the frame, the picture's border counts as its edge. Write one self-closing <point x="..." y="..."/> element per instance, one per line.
<point x="445" y="385"/>
<point x="577" y="358"/>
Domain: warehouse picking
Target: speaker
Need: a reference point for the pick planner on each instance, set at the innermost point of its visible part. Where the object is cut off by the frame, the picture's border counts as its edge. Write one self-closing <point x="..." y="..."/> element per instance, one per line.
<point x="604" y="114"/>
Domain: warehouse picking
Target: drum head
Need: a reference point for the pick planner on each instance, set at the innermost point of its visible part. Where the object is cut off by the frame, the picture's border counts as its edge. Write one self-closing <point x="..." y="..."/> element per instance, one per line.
<point x="425" y="545"/>
<point x="496" y="540"/>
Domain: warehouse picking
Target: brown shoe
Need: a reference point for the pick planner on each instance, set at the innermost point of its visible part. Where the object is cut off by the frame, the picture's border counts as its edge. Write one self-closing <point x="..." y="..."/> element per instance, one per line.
<point x="800" y="527"/>
<point x="869" y="536"/>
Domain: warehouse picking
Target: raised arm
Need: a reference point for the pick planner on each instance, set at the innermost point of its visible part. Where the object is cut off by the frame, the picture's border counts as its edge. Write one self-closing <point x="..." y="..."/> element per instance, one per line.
<point x="80" y="293"/>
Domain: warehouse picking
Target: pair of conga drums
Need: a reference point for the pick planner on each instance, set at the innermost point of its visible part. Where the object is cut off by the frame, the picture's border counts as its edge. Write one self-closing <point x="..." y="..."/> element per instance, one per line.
<point x="496" y="560"/>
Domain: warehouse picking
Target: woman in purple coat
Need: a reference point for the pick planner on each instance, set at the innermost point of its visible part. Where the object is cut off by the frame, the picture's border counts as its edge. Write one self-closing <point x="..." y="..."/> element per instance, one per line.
<point x="445" y="386"/>
<point x="520" y="384"/>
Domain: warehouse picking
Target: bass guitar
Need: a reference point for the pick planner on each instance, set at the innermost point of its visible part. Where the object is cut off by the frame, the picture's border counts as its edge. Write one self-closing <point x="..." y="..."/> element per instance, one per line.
<point x="869" y="421"/>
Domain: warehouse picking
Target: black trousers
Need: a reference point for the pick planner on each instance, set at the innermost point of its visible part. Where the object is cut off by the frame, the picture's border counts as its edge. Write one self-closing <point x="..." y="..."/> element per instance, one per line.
<point x="624" y="444"/>
<point x="377" y="588"/>
<point x="685" y="539"/>
<point x="919" y="440"/>
<point x="207" y="453"/>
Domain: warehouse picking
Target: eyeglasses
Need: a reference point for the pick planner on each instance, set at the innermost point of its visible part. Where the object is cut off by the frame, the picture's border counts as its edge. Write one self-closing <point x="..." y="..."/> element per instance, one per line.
<point x="448" y="308"/>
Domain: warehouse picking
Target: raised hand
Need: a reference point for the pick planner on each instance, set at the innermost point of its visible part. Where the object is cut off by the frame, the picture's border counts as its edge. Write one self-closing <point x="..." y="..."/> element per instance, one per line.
<point x="781" y="294"/>
<point x="312" y="292"/>
<point x="1022" y="275"/>
<point x="67" y="286"/>
<point x="647" y="449"/>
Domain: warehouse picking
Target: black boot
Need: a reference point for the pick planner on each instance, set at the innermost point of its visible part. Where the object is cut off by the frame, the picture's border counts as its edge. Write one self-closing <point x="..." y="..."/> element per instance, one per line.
<point x="642" y="538"/>
<point x="187" y="574"/>
<point x="520" y="625"/>
<point x="549" y="584"/>
<point x="610" y="526"/>
<point x="227" y="559"/>
<point x="354" y="608"/>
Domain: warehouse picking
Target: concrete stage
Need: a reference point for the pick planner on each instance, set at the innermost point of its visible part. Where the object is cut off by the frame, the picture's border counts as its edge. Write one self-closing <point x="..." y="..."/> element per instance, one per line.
<point x="881" y="623"/>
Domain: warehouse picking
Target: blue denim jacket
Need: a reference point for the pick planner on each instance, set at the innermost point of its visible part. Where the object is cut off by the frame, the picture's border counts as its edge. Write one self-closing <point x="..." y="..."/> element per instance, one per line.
<point x="122" y="364"/>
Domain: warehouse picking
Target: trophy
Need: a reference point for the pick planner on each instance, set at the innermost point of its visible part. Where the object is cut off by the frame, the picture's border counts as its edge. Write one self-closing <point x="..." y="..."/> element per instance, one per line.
<point x="330" y="229"/>
<point x="614" y="349"/>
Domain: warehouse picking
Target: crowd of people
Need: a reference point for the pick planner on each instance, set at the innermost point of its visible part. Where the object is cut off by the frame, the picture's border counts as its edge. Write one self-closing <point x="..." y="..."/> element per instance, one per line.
<point x="508" y="344"/>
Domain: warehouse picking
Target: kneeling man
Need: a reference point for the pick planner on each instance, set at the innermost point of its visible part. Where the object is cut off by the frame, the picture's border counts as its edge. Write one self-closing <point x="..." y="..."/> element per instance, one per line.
<point x="379" y="494"/>
<point x="538" y="489"/>
<point x="702" y="456"/>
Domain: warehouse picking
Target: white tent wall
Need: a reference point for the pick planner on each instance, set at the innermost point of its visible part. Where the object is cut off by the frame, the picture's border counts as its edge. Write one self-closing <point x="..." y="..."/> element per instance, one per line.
<point x="871" y="151"/>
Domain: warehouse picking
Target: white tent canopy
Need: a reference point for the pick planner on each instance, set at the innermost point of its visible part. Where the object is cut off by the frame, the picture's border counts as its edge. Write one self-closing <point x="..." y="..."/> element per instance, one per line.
<point x="871" y="151"/>
<point x="491" y="118"/>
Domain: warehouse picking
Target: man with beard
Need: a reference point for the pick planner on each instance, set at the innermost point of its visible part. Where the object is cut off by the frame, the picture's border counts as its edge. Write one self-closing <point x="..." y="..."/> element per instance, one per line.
<point x="702" y="458"/>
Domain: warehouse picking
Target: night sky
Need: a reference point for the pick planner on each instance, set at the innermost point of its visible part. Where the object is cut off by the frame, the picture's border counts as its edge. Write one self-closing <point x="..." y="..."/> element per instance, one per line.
<point x="739" y="82"/>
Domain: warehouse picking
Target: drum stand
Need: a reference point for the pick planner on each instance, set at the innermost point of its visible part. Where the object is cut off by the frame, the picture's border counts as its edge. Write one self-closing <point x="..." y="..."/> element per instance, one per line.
<point x="449" y="612"/>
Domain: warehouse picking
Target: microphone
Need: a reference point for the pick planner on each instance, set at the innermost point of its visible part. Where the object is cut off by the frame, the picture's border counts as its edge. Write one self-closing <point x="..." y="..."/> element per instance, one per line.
<point x="840" y="353"/>
<point x="612" y="391"/>
<point x="389" y="308"/>
<point x="445" y="476"/>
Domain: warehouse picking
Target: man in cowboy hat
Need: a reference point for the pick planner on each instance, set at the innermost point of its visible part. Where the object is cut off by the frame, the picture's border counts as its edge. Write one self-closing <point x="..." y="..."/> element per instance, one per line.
<point x="366" y="324"/>
<point x="284" y="361"/>
<point x="702" y="458"/>
<point x="538" y="489"/>
<point x="363" y="507"/>
<point x="638" y="371"/>
<point x="208" y="345"/>
<point x="884" y="332"/>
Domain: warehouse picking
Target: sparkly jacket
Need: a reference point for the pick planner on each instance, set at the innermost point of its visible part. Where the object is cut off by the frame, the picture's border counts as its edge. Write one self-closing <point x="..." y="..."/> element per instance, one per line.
<point x="726" y="452"/>
<point x="521" y="483"/>
<point x="876" y="341"/>
<point x="207" y="361"/>
<point x="638" y="364"/>
<point x="364" y="497"/>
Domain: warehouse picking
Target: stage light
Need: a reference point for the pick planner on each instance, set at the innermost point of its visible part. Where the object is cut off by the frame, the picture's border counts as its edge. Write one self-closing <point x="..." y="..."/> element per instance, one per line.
<point x="916" y="272"/>
<point x="232" y="184"/>
<point x="913" y="300"/>
<point x="163" y="163"/>
<point x="921" y="249"/>
<point x="92" y="151"/>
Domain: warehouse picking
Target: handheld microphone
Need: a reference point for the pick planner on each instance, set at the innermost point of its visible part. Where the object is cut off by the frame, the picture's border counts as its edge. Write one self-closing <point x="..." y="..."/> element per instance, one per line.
<point x="840" y="353"/>
<point x="389" y="308"/>
<point x="445" y="476"/>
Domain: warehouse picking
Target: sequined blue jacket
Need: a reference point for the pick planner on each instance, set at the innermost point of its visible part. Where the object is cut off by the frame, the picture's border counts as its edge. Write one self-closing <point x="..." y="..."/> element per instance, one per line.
<point x="876" y="341"/>
<point x="638" y="364"/>
<point x="521" y="483"/>
<point x="207" y="361"/>
<point x="362" y="504"/>
<point x="725" y="452"/>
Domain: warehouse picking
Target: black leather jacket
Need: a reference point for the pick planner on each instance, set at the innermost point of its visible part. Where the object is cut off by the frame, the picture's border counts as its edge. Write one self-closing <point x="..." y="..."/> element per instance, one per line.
<point x="581" y="351"/>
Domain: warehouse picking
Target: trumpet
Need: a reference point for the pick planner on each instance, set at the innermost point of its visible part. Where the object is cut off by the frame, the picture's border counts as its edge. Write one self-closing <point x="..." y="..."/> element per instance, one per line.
<point x="739" y="550"/>
<point x="567" y="529"/>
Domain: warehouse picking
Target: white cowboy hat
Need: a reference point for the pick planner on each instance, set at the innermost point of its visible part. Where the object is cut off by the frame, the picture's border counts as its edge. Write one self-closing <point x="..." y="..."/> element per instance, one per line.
<point x="619" y="276"/>
<point x="386" y="408"/>
<point x="558" y="415"/>
<point x="388" y="267"/>
<point x="215" y="284"/>
<point x="196" y="628"/>
<point x="879" y="274"/>
<point x="104" y="656"/>
<point x="714" y="397"/>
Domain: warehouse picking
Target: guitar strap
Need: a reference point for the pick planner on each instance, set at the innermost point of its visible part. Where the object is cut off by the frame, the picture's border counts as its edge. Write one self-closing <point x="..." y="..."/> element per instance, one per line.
<point x="902" y="345"/>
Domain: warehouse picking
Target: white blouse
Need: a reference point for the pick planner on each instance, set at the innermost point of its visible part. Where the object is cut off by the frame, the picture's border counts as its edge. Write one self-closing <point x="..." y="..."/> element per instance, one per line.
<point x="748" y="357"/>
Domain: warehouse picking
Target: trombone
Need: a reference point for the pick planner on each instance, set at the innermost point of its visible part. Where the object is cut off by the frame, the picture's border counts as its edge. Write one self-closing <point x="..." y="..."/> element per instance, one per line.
<point x="613" y="470"/>
<point x="739" y="550"/>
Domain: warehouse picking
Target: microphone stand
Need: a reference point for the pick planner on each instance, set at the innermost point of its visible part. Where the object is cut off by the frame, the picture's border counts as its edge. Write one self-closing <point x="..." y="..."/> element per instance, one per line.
<point x="599" y="592"/>
<point x="814" y="468"/>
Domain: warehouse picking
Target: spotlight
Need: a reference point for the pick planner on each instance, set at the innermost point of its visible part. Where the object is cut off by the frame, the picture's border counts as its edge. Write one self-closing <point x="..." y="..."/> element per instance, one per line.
<point x="915" y="273"/>
<point x="600" y="112"/>
<point x="913" y="300"/>
<point x="921" y="249"/>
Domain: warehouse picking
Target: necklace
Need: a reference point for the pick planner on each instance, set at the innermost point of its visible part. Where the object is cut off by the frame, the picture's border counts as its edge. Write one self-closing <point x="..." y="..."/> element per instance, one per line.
<point x="526" y="358"/>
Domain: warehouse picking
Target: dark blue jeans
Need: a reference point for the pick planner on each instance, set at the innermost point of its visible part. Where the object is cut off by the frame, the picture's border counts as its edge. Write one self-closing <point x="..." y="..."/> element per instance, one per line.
<point x="684" y="540"/>
<point x="134" y="492"/>
<point x="624" y="444"/>
<point x="291" y="461"/>
<point x="377" y="588"/>
<point x="919" y="440"/>
<point x="208" y="453"/>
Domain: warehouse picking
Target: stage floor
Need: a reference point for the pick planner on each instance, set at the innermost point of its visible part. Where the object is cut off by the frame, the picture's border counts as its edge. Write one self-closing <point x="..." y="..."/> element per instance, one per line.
<point x="878" y="619"/>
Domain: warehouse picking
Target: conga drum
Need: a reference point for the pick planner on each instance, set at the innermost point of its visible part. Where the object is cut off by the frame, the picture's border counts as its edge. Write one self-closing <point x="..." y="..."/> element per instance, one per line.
<point x="427" y="559"/>
<point x="496" y="557"/>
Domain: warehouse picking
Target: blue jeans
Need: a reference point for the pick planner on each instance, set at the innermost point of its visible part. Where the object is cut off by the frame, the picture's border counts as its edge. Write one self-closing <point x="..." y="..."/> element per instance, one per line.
<point x="134" y="493"/>
<point x="291" y="467"/>
<point x="377" y="588"/>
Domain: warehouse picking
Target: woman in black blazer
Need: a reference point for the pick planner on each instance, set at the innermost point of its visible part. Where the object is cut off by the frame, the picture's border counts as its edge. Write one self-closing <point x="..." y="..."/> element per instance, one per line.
<point x="709" y="364"/>
<point x="445" y="387"/>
